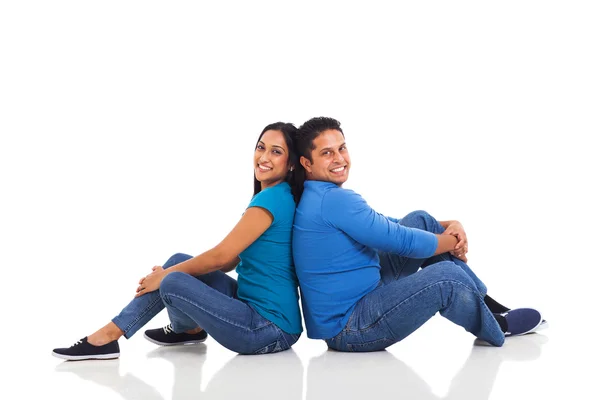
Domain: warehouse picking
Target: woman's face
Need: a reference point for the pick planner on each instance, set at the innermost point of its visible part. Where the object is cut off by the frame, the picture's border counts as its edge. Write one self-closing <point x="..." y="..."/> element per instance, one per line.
<point x="271" y="159"/>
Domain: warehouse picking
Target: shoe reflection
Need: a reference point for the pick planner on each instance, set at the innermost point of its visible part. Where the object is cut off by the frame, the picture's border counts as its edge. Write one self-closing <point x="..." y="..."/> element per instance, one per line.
<point x="106" y="373"/>
<point x="271" y="376"/>
<point x="330" y="375"/>
<point x="380" y="374"/>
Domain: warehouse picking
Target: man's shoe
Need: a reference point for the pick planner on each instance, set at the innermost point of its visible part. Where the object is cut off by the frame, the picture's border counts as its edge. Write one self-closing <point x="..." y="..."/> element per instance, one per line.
<point x="521" y="321"/>
<point x="167" y="337"/>
<point x="83" y="350"/>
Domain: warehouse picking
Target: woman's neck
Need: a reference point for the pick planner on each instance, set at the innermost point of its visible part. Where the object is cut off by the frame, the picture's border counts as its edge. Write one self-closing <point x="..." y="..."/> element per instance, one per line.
<point x="264" y="185"/>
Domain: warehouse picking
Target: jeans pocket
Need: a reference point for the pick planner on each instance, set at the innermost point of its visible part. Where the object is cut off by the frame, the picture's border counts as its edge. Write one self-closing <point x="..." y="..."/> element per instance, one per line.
<point x="271" y="348"/>
<point x="375" y="345"/>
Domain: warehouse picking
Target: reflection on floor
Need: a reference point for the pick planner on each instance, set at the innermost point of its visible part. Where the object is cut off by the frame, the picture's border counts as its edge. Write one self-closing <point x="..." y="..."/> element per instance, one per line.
<point x="329" y="375"/>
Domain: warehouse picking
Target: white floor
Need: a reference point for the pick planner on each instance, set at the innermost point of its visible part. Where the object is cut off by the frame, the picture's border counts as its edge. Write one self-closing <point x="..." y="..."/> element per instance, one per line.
<point x="440" y="361"/>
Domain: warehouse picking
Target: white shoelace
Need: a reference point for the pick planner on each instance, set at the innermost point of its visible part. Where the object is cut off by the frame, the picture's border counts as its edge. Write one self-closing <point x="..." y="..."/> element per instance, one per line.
<point x="167" y="329"/>
<point x="76" y="343"/>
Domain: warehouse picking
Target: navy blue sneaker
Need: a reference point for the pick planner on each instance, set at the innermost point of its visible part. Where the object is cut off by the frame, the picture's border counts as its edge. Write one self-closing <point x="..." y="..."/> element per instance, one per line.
<point x="167" y="337"/>
<point x="520" y="321"/>
<point x="82" y="350"/>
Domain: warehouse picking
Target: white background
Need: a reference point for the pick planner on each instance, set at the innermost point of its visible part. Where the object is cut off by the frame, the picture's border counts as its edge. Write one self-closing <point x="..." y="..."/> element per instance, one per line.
<point x="127" y="132"/>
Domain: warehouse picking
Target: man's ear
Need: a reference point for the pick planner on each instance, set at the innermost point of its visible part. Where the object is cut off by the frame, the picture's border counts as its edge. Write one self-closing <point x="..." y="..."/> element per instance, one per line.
<point x="305" y="162"/>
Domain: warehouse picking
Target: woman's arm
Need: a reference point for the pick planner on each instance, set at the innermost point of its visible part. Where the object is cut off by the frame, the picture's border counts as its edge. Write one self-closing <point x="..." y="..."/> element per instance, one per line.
<point x="253" y="223"/>
<point x="230" y="266"/>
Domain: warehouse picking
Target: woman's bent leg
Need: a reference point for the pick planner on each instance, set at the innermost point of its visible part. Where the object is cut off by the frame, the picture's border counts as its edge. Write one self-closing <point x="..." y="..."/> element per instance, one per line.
<point x="142" y="309"/>
<point x="230" y="321"/>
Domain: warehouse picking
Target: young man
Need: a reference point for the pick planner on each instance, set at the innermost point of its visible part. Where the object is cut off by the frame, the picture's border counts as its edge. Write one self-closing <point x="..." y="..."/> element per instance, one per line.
<point x="359" y="275"/>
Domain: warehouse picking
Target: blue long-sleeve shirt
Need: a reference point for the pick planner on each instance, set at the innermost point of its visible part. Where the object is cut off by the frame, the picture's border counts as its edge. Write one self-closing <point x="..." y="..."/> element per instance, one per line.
<point x="335" y="241"/>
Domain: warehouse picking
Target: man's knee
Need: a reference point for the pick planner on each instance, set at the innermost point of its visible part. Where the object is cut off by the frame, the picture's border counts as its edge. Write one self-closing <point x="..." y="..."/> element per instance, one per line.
<point x="420" y="220"/>
<point x="448" y="271"/>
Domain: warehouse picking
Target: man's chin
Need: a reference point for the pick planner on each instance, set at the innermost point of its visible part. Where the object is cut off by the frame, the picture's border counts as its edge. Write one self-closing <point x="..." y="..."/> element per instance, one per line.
<point x="339" y="180"/>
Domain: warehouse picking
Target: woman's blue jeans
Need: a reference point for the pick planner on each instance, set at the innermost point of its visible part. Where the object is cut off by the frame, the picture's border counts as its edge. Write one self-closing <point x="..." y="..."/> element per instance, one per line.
<point x="407" y="297"/>
<point x="209" y="301"/>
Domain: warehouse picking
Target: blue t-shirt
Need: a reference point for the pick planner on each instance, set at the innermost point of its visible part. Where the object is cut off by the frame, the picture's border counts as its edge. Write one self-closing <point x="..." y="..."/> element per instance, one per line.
<point x="335" y="242"/>
<point x="266" y="276"/>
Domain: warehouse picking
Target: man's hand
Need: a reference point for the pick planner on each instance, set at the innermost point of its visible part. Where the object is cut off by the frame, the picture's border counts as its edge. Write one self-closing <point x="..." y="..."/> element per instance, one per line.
<point x="151" y="282"/>
<point x="456" y="229"/>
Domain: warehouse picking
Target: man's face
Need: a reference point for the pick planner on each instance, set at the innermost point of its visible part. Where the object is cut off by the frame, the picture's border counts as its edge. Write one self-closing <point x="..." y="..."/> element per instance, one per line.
<point x="330" y="158"/>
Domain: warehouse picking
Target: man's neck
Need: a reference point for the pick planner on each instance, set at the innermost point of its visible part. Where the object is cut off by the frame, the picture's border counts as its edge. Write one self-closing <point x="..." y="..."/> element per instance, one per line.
<point x="317" y="180"/>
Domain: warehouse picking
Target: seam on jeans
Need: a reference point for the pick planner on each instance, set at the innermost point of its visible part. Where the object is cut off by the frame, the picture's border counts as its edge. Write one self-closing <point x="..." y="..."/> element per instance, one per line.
<point x="359" y="347"/>
<point x="142" y="314"/>
<point x="380" y="319"/>
<point x="219" y="317"/>
<point x="284" y="338"/>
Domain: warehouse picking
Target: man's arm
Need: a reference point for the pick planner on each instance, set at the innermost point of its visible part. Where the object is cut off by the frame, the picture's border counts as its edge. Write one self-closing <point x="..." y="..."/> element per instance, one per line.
<point x="349" y="212"/>
<point x="446" y="243"/>
<point x="456" y="231"/>
<point x="395" y="220"/>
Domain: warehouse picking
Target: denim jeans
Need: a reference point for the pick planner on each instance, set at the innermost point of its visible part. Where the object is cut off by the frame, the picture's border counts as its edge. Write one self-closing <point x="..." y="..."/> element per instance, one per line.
<point x="209" y="301"/>
<point x="407" y="297"/>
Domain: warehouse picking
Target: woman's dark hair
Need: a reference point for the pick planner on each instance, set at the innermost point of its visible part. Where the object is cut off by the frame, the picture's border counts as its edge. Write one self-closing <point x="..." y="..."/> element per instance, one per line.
<point x="294" y="178"/>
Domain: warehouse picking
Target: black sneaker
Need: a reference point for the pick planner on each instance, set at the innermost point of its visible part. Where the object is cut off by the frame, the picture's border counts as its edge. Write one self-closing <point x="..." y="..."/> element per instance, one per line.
<point x="167" y="337"/>
<point x="82" y="350"/>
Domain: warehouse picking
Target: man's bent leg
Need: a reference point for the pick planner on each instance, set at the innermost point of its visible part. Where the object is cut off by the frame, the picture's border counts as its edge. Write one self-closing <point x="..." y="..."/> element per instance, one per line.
<point x="393" y="311"/>
<point x="424" y="221"/>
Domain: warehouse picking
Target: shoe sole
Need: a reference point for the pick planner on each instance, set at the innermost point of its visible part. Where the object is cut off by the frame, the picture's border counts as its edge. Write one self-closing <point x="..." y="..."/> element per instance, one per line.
<point x="173" y="344"/>
<point x="81" y="358"/>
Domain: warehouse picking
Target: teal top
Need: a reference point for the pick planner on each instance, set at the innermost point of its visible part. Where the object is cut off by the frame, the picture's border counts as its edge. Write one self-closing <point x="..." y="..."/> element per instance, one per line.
<point x="266" y="276"/>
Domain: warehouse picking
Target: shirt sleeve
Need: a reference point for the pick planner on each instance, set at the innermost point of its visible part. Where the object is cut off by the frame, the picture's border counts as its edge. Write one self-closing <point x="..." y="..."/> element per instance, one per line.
<point x="267" y="199"/>
<point x="348" y="211"/>
<point x="395" y="220"/>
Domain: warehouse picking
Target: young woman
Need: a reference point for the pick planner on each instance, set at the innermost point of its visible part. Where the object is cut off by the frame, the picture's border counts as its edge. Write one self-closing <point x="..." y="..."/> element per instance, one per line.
<point x="256" y="314"/>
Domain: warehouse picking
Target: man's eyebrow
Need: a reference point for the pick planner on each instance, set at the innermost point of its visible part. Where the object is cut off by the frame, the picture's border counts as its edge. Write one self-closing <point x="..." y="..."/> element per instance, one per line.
<point x="330" y="148"/>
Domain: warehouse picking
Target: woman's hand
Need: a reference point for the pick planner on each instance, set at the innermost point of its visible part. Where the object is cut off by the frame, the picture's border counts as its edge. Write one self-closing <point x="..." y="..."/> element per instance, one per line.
<point x="151" y="282"/>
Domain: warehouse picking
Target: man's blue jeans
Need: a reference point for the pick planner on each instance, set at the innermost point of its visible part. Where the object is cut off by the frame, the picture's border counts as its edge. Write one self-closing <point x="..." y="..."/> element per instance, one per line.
<point x="209" y="301"/>
<point x="407" y="297"/>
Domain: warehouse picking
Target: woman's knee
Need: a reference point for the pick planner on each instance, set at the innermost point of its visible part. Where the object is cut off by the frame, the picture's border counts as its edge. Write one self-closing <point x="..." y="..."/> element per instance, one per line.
<point x="172" y="282"/>
<point x="176" y="259"/>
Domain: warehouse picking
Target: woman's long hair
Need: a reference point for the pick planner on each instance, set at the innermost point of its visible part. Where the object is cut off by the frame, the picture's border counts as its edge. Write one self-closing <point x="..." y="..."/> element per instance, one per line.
<point x="294" y="178"/>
